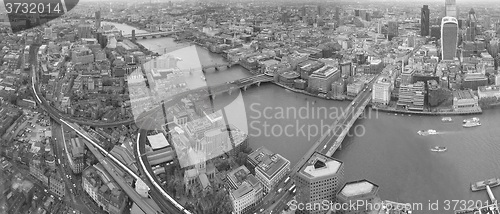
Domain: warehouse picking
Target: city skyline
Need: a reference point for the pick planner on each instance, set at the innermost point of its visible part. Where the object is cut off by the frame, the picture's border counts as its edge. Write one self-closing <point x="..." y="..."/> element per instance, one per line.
<point x="208" y="107"/>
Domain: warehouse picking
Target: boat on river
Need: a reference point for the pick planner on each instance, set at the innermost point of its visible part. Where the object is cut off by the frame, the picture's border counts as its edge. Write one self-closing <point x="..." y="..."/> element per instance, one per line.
<point x="481" y="185"/>
<point x="439" y="149"/>
<point x="428" y="132"/>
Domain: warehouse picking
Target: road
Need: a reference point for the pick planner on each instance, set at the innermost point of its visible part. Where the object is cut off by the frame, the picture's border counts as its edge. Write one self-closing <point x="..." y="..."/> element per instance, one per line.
<point x="112" y="170"/>
<point x="57" y="116"/>
<point x="73" y="184"/>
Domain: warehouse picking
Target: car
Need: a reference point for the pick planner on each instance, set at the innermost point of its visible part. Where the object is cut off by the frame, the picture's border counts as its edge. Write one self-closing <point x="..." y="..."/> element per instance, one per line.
<point x="261" y="210"/>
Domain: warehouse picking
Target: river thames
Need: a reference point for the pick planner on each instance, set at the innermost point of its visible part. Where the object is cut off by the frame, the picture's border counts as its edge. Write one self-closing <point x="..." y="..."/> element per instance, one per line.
<point x="383" y="147"/>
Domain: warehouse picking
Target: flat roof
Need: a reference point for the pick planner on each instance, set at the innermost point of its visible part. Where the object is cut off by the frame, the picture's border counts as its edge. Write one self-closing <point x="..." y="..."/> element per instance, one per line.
<point x="268" y="162"/>
<point x="158" y="141"/>
<point x="358" y="188"/>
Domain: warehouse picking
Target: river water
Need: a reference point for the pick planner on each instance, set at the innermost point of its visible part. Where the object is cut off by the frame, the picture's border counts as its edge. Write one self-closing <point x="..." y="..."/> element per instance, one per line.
<point x="383" y="148"/>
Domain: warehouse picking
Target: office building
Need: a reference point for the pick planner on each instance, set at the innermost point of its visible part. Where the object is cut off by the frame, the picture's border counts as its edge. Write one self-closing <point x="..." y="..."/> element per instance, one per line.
<point x="493" y="47"/>
<point x="392" y="29"/>
<point x="84" y="31"/>
<point x="307" y="67"/>
<point x="318" y="180"/>
<point x="411" y="96"/>
<point x="354" y="88"/>
<point x="270" y="168"/>
<point x="474" y="80"/>
<point x="381" y="92"/>
<point x="321" y="80"/>
<point x="245" y="191"/>
<point x="450" y="8"/>
<point x="472" y="26"/>
<point x="449" y="38"/>
<point x="98" y="19"/>
<point x="356" y="191"/>
<point x="337" y="16"/>
<point x="436" y="31"/>
<point x="424" y="21"/>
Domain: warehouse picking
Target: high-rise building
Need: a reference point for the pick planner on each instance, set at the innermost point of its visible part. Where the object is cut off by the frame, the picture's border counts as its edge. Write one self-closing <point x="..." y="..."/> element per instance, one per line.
<point x="321" y="10"/>
<point x="449" y="38"/>
<point x="318" y="180"/>
<point x="337" y="16"/>
<point x="451" y="8"/>
<point x="493" y="47"/>
<point x="392" y="29"/>
<point x="362" y="14"/>
<point x="98" y="19"/>
<point x="424" y="21"/>
<point x="472" y="25"/>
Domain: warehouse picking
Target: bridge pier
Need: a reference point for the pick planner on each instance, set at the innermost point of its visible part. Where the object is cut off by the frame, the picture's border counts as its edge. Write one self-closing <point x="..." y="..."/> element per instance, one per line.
<point x="245" y="87"/>
<point x="258" y="84"/>
<point x="230" y="91"/>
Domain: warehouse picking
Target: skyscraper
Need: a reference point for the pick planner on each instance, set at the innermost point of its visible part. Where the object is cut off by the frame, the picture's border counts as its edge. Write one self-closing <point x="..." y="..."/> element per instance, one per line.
<point x="449" y="38"/>
<point x="450" y="8"/>
<point x="424" y="21"/>
<point x="98" y="19"/>
<point x="318" y="180"/>
<point x="337" y="15"/>
<point x="392" y="29"/>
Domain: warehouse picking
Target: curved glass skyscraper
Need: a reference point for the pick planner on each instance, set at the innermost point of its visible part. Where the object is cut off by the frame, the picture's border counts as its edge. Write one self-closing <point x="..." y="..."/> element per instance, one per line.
<point x="449" y="38"/>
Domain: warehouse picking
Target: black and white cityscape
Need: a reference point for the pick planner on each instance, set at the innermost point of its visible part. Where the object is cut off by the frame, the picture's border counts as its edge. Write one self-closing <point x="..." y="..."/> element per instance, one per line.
<point x="249" y="107"/>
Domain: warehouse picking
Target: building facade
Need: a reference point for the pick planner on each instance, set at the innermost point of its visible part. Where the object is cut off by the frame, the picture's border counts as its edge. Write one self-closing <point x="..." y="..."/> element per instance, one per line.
<point x="322" y="79"/>
<point x="424" y="21"/>
<point x="381" y="90"/>
<point x="449" y="38"/>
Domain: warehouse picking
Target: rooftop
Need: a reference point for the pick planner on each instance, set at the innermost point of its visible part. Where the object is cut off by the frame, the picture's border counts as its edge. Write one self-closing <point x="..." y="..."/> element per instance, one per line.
<point x="358" y="188"/>
<point x="320" y="165"/>
<point x="463" y="94"/>
<point x="268" y="162"/>
<point x="158" y="141"/>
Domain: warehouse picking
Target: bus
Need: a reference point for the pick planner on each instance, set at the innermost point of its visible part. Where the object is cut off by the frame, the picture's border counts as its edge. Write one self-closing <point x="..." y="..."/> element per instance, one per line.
<point x="287" y="179"/>
<point x="292" y="188"/>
